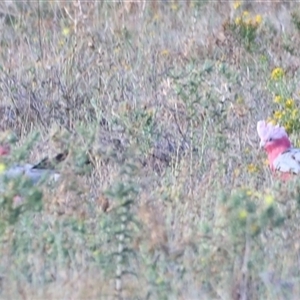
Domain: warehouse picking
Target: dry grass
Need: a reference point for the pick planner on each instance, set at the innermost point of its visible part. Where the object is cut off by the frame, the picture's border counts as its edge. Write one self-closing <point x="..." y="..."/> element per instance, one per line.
<point x="163" y="98"/>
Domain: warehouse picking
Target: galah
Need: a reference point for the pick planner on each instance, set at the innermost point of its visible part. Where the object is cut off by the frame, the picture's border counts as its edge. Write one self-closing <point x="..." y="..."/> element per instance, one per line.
<point x="281" y="155"/>
<point x="33" y="172"/>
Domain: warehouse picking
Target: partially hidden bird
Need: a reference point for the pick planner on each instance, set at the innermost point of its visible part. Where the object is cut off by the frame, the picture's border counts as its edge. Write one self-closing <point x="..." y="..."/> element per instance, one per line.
<point x="282" y="157"/>
<point x="35" y="173"/>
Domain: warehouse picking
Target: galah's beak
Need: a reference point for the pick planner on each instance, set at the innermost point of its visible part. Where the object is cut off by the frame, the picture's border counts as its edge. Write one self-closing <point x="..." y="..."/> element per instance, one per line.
<point x="262" y="144"/>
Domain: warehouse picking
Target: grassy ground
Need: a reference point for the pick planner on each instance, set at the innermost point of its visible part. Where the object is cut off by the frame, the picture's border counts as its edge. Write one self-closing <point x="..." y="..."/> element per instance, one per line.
<point x="163" y="98"/>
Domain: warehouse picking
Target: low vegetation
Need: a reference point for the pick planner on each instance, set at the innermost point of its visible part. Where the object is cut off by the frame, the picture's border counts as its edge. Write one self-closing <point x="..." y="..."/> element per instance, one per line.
<point x="164" y="193"/>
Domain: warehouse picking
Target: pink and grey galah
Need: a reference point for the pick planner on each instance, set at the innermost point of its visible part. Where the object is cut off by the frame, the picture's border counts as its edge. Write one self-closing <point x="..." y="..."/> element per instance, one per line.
<point x="35" y="173"/>
<point x="281" y="155"/>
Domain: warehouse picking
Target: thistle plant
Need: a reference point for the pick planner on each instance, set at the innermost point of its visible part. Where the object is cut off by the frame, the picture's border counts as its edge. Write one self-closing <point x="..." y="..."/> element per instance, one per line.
<point x="122" y="223"/>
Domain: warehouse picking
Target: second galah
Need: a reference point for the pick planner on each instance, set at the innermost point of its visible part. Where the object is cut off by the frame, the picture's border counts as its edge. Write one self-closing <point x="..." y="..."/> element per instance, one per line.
<point x="281" y="155"/>
<point x="33" y="172"/>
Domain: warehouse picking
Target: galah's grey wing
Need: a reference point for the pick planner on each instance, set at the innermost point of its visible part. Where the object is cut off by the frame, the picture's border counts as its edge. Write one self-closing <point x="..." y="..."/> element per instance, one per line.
<point x="34" y="174"/>
<point x="16" y="170"/>
<point x="288" y="161"/>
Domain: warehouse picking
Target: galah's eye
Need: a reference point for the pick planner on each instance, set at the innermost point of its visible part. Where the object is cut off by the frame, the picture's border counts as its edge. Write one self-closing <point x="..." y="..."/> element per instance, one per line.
<point x="270" y="139"/>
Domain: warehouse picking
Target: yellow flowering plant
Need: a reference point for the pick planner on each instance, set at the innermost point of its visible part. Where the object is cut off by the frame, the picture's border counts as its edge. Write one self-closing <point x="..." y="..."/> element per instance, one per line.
<point x="237" y="4"/>
<point x="245" y="25"/>
<point x="252" y="168"/>
<point x="252" y="211"/>
<point x="287" y="112"/>
<point x="277" y="74"/>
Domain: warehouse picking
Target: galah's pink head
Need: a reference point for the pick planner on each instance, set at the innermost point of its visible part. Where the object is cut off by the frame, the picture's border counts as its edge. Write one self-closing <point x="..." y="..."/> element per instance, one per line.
<point x="4" y="150"/>
<point x="272" y="137"/>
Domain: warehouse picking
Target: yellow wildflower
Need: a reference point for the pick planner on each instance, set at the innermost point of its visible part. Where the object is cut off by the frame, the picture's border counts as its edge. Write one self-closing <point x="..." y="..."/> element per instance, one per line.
<point x="249" y="192"/>
<point x="238" y="21"/>
<point x="2" y="168"/>
<point x="289" y="103"/>
<point x="237" y="4"/>
<point x="263" y="58"/>
<point x="245" y="14"/>
<point x="159" y="280"/>
<point x="247" y="150"/>
<point x="174" y="7"/>
<point x="278" y="115"/>
<point x="277" y="74"/>
<point x="126" y="66"/>
<point x="243" y="214"/>
<point x="277" y="99"/>
<point x="271" y="120"/>
<point x="156" y="17"/>
<point x="288" y="127"/>
<point x="258" y="19"/>
<point x="240" y="100"/>
<point x="165" y="52"/>
<point x="237" y="172"/>
<point x="295" y="113"/>
<point x="117" y="50"/>
<point x="252" y="168"/>
<point x="66" y="31"/>
<point x="269" y="200"/>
